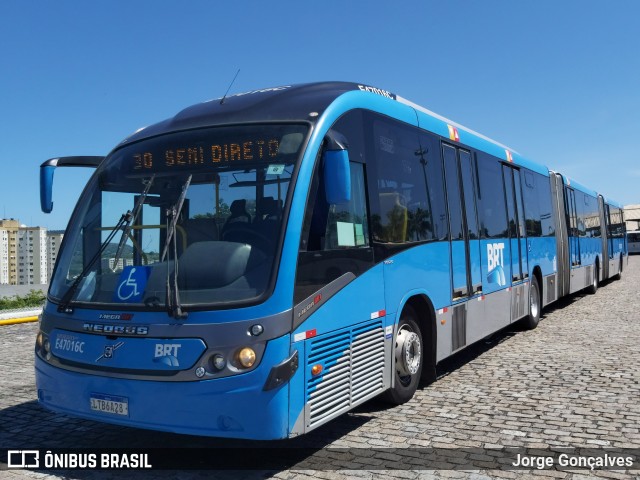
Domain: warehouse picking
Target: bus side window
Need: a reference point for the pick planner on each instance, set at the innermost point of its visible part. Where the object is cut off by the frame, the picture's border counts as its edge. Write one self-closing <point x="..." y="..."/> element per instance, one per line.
<point x="335" y="237"/>
<point x="406" y="185"/>
<point x="346" y="225"/>
<point x="492" y="207"/>
<point x="333" y="226"/>
<point x="531" y="205"/>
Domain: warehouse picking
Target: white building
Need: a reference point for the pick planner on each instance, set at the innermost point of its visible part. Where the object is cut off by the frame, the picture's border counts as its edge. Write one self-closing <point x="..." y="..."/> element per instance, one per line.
<point x="4" y="257"/>
<point x="54" y="239"/>
<point x="27" y="254"/>
<point x="32" y="255"/>
<point x="632" y="217"/>
<point x="9" y="251"/>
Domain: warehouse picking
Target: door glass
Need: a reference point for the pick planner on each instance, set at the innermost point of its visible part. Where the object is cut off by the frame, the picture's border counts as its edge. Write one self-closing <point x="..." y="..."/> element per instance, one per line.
<point x="459" y="251"/>
<point x="473" y="235"/>
<point x="514" y="242"/>
<point x="517" y="185"/>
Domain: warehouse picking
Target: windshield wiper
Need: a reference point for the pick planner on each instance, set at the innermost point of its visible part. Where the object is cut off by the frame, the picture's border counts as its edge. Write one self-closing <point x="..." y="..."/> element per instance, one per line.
<point x="173" y="295"/>
<point x="127" y="219"/>
<point x="131" y="220"/>
<point x="68" y="295"/>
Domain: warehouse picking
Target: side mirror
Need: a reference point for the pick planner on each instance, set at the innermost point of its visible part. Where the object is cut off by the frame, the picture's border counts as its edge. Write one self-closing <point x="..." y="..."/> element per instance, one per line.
<point x="46" y="176"/>
<point x="46" y="187"/>
<point x="337" y="174"/>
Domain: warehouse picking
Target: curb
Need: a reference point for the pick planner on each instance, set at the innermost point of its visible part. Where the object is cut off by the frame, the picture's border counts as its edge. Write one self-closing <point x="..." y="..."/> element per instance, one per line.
<point x="14" y="321"/>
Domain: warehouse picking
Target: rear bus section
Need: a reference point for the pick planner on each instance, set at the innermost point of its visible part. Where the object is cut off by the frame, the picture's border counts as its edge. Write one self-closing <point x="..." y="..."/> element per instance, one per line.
<point x="633" y="241"/>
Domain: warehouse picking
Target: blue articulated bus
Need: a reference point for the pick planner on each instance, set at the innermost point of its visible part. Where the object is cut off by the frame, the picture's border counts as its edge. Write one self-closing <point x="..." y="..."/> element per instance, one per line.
<point x="260" y="264"/>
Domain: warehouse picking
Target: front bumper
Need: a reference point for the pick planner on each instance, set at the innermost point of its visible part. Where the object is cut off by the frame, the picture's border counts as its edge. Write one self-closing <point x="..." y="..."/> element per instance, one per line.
<point x="234" y="407"/>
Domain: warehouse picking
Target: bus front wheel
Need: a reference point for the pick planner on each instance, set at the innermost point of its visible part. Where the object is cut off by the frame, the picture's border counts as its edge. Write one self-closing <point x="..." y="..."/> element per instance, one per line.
<point x="408" y="353"/>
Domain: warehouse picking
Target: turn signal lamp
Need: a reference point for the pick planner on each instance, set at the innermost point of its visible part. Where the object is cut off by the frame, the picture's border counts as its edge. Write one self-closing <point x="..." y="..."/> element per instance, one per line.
<point x="316" y="369"/>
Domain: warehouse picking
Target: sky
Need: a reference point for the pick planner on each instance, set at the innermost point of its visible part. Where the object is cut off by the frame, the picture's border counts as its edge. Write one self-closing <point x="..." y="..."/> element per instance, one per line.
<point x="557" y="81"/>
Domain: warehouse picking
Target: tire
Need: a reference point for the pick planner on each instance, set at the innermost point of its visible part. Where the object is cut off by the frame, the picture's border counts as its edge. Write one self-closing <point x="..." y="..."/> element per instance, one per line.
<point x="618" y="276"/>
<point x="409" y="358"/>
<point x="593" y="288"/>
<point x="535" y="305"/>
<point x="621" y="263"/>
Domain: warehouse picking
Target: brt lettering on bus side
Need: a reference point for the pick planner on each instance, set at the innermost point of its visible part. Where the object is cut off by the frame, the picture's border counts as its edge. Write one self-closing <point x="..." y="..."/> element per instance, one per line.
<point x="495" y="264"/>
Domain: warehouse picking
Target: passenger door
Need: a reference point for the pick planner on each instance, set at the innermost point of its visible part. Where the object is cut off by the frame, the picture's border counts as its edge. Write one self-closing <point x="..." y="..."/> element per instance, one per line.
<point x="517" y="231"/>
<point x="572" y="222"/>
<point x="463" y="223"/>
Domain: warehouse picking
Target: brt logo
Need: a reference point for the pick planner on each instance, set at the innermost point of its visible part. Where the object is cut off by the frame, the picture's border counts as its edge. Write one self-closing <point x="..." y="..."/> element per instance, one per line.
<point x="495" y="264"/>
<point x="167" y="354"/>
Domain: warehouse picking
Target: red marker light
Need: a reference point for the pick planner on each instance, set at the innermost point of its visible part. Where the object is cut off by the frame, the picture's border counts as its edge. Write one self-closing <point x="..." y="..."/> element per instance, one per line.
<point x="509" y="156"/>
<point x="453" y="133"/>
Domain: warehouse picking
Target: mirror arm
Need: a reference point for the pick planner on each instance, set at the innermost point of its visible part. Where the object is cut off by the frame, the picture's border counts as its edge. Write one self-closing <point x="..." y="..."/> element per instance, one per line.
<point x="335" y="141"/>
<point x="46" y="175"/>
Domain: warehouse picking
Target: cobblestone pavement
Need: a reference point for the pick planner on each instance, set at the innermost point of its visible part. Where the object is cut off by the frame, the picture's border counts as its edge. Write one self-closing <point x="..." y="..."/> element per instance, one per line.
<point x="572" y="382"/>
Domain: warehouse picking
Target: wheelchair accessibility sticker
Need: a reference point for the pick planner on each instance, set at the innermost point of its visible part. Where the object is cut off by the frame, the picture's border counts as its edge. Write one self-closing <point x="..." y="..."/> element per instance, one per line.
<point x="131" y="285"/>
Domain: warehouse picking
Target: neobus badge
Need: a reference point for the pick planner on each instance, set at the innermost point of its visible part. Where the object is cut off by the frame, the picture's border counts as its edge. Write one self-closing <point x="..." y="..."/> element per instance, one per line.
<point x="117" y="329"/>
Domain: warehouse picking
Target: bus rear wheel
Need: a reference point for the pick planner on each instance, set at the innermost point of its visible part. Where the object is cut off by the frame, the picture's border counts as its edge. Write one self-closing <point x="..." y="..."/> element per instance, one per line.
<point x="619" y="275"/>
<point x="593" y="288"/>
<point x="535" y="305"/>
<point x="409" y="355"/>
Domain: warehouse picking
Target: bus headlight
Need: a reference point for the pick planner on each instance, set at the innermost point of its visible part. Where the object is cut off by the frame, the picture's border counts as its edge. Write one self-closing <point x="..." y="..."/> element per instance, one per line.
<point x="46" y="349"/>
<point x="246" y="357"/>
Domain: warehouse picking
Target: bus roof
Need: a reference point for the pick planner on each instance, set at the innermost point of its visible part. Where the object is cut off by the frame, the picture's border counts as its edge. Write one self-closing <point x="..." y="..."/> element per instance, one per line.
<point x="572" y="183"/>
<point x="304" y="102"/>
<point x="307" y="102"/>
<point x="611" y="202"/>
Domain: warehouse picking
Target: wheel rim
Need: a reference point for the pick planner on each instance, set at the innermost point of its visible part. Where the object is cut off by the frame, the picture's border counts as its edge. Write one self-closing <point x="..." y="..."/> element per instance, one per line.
<point x="534" y="298"/>
<point x="407" y="353"/>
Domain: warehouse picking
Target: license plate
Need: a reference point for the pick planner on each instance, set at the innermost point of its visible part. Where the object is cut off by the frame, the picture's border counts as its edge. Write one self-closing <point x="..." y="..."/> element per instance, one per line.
<point x="109" y="404"/>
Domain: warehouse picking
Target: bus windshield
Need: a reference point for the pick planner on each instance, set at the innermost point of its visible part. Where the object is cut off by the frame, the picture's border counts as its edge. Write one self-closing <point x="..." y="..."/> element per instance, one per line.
<point x="200" y="212"/>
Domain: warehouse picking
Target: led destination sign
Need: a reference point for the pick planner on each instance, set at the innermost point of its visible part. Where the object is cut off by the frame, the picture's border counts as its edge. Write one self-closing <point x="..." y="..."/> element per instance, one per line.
<point x="204" y="149"/>
<point x="248" y="150"/>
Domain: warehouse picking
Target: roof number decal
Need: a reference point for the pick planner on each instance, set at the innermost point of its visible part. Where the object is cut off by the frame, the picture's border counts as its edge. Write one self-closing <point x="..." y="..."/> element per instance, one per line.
<point x="377" y="91"/>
